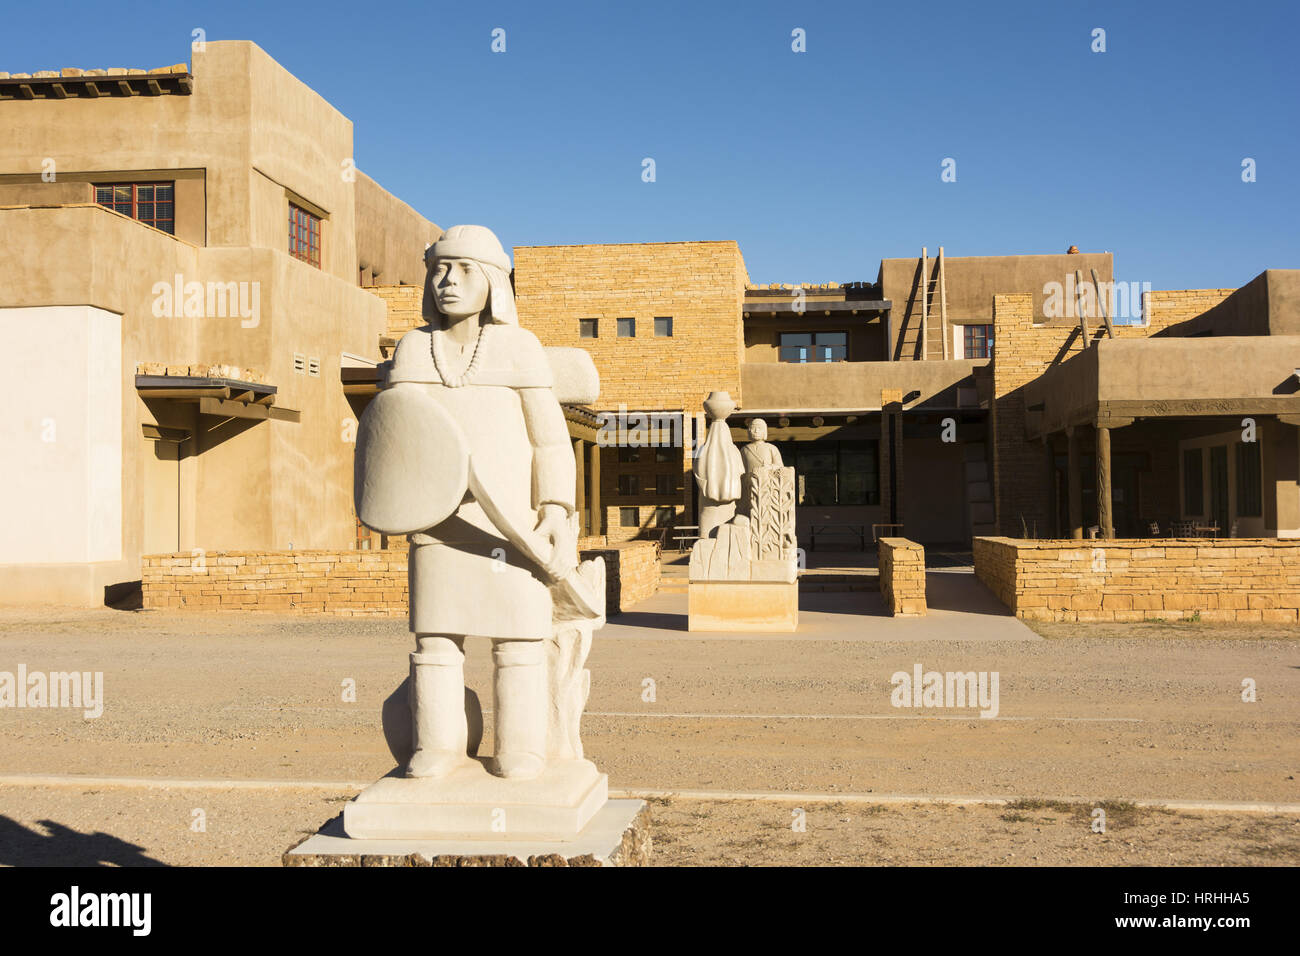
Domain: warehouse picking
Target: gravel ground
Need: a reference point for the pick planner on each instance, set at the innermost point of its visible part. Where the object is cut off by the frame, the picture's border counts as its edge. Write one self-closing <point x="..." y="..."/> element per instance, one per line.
<point x="1090" y="714"/>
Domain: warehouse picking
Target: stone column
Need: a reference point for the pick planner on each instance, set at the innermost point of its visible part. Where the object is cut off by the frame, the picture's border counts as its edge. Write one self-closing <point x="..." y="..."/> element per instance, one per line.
<point x="1073" y="483"/>
<point x="597" y="513"/>
<point x="580" y="492"/>
<point x="1105" y="510"/>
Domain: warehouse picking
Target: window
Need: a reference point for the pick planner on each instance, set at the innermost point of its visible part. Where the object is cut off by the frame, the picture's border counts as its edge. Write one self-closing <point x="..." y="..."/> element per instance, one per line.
<point x="664" y="515"/>
<point x="588" y="329"/>
<point x="304" y="235"/>
<point x="626" y="328"/>
<point x="814" y="347"/>
<point x="626" y="454"/>
<point x="663" y="455"/>
<point x="977" y="341"/>
<point x="834" y="472"/>
<point x="1193" y="482"/>
<point x="664" y="485"/>
<point x="1249" y="495"/>
<point x="628" y="485"/>
<point x="153" y="204"/>
<point x="663" y="325"/>
<point x="629" y="518"/>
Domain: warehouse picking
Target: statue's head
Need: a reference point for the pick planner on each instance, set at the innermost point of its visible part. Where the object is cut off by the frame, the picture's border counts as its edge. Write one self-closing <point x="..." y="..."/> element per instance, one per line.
<point x="757" y="429"/>
<point x="469" y="274"/>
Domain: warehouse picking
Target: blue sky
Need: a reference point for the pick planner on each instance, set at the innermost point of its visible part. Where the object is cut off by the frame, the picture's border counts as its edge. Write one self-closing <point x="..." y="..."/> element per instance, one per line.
<point x="818" y="163"/>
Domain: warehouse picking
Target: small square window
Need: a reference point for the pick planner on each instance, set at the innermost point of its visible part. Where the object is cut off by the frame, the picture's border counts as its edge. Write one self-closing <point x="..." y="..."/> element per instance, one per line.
<point x="663" y="455"/>
<point x="626" y="454"/>
<point x="304" y="235"/>
<point x="628" y="485"/>
<point x="664" y="515"/>
<point x="664" y="485"/>
<point x="663" y="325"/>
<point x="629" y="518"/>
<point x="588" y="328"/>
<point x="627" y="328"/>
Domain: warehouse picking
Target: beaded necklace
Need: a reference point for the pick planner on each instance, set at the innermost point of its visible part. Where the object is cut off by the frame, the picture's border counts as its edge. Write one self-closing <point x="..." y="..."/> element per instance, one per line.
<point x="440" y="362"/>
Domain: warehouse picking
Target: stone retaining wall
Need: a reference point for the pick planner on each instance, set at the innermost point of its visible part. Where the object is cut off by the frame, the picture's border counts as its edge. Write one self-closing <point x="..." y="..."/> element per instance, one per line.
<point x="902" y="576"/>
<point x="349" y="583"/>
<point x="1225" y="579"/>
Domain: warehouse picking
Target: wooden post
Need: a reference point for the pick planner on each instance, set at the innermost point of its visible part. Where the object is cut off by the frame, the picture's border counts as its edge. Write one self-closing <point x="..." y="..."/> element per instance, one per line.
<point x="1073" y="484"/>
<point x="943" y="308"/>
<point x="1078" y="306"/>
<point x="1053" y="512"/>
<point x="1105" y="511"/>
<point x="1105" y="313"/>
<point x="580" y="492"/>
<point x="597" y="515"/>
<point x="925" y="302"/>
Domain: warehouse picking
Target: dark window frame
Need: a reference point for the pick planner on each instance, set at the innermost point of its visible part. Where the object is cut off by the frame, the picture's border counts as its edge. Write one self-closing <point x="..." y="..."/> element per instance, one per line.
<point x="133" y="202"/>
<point x="793" y="452"/>
<point x="623" y="514"/>
<point x="663" y="318"/>
<point x="305" y="234"/>
<point x="619" y="326"/>
<point x="632" y="482"/>
<point x="812" y="346"/>
<point x="595" y="328"/>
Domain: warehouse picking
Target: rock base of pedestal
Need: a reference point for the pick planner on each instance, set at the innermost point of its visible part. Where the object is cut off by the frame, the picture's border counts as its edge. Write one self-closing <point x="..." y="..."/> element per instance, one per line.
<point x="618" y="835"/>
<point x="743" y="606"/>
<point x="472" y="804"/>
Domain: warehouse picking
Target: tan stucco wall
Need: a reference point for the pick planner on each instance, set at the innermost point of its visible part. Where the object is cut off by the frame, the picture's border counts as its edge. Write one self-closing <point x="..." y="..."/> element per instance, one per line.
<point x="790" y="386"/>
<point x="391" y="237"/>
<point x="265" y="486"/>
<point x="971" y="282"/>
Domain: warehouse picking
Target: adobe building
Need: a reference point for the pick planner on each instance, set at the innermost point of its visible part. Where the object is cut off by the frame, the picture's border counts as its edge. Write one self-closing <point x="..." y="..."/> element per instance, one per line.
<point x="184" y="252"/>
<point x="949" y="399"/>
<point x="202" y="291"/>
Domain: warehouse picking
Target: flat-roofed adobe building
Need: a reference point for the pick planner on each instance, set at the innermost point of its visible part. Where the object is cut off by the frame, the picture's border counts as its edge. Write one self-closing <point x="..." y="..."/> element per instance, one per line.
<point x="183" y="252"/>
<point x="936" y="398"/>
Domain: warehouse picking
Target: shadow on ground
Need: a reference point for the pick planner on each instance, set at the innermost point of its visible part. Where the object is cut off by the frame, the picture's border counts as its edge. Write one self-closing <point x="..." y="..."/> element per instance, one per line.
<point x="63" y="846"/>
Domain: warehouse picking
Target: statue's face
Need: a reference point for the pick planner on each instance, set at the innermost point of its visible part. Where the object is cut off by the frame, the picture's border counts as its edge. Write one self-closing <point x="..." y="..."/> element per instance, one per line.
<point x="758" y="430"/>
<point x="459" y="287"/>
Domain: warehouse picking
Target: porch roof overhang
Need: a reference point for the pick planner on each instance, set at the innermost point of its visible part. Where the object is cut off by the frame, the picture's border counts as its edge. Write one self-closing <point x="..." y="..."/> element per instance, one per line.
<point x="217" y="397"/>
<point x="812" y="308"/>
<point x="1118" y="382"/>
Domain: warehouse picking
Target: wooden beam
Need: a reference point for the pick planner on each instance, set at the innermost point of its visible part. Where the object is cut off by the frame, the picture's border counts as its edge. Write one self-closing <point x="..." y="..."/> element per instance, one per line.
<point x="1073" y="483"/>
<point x="154" y="88"/>
<point x="125" y="88"/>
<point x="925" y="297"/>
<point x="1078" y="307"/>
<point x="190" y="393"/>
<point x="1096" y="285"/>
<point x="92" y="88"/>
<point x="943" y="306"/>
<point x="1105" y="506"/>
<point x="59" y="92"/>
<point x="580" y="489"/>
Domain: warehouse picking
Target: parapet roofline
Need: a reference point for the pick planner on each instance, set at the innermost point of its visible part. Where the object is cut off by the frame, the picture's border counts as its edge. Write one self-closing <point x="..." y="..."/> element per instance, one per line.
<point x="89" y="84"/>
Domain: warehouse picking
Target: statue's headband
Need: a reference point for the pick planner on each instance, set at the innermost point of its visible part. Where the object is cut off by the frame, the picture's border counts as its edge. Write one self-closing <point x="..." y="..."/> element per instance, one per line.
<point x="469" y="242"/>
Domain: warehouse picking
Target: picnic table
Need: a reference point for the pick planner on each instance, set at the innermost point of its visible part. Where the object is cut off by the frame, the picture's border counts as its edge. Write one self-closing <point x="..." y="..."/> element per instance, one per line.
<point x="852" y="530"/>
<point x="685" y="535"/>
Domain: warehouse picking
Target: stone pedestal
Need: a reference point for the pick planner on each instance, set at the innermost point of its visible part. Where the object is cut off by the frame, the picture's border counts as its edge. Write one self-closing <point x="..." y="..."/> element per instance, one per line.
<point x="618" y="835"/>
<point x="472" y="804"/>
<point x="743" y="606"/>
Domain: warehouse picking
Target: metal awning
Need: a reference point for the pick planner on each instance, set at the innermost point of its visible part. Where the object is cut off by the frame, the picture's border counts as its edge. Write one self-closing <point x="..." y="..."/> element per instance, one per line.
<point x="221" y="397"/>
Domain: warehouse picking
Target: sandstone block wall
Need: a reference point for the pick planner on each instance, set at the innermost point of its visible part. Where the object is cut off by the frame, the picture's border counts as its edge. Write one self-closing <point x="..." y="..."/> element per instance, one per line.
<point x="349" y="583"/>
<point x="1226" y="579"/>
<point x="902" y="576"/>
<point x="701" y="285"/>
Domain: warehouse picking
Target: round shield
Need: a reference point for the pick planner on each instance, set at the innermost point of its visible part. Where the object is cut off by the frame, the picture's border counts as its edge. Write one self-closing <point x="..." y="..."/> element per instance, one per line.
<point x="412" y="462"/>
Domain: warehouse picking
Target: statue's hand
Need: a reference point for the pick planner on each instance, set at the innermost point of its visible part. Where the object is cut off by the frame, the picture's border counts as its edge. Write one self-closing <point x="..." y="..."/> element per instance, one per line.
<point x="554" y="527"/>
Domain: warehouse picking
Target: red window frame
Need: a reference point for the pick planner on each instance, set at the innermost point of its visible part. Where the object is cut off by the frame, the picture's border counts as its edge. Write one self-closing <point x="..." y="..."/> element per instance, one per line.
<point x="143" y="202"/>
<point x="977" y="341"/>
<point x="304" y="235"/>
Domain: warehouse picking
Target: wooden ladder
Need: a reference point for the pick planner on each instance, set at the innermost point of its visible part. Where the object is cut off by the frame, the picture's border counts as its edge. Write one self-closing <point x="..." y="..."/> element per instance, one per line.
<point x="935" y="286"/>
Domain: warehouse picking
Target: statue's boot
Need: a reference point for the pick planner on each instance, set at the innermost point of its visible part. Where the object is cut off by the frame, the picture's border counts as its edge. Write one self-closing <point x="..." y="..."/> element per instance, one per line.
<point x="519" y="705"/>
<point x="440" y="731"/>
